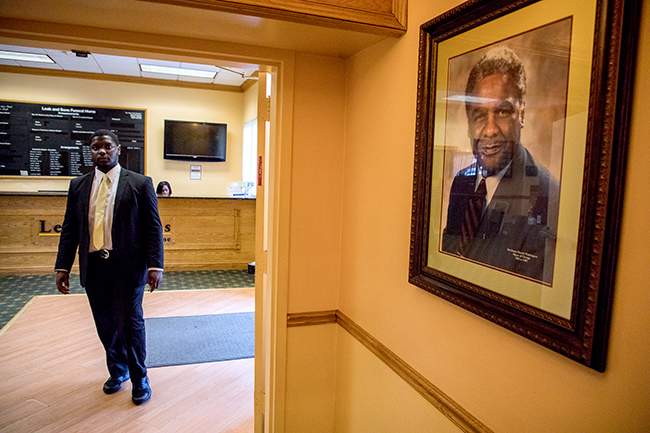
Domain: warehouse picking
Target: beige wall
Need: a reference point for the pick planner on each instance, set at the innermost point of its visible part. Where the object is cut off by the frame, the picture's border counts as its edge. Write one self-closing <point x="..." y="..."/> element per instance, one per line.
<point x="311" y="379"/>
<point x="508" y="382"/>
<point x="161" y="102"/>
<point x="250" y="103"/>
<point x="317" y="165"/>
<point x="314" y="267"/>
<point x="371" y="398"/>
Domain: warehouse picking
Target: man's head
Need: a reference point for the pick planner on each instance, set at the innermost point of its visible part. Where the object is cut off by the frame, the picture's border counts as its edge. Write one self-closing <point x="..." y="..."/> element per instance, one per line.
<point x="104" y="149"/>
<point x="496" y="90"/>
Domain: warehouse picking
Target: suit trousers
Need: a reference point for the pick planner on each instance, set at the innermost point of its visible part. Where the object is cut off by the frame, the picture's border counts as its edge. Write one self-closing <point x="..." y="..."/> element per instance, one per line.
<point x="117" y="311"/>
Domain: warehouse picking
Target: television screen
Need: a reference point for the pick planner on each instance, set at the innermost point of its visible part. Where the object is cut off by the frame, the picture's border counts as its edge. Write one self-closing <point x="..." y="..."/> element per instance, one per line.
<point x="195" y="141"/>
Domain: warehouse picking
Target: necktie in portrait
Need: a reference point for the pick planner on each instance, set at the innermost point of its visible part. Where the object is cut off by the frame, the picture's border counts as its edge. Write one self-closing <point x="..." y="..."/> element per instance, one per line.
<point x="473" y="214"/>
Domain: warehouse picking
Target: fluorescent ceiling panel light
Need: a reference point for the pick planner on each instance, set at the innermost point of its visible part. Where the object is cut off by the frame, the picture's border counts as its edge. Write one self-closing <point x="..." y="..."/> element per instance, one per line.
<point x="27" y="57"/>
<point x="177" y="71"/>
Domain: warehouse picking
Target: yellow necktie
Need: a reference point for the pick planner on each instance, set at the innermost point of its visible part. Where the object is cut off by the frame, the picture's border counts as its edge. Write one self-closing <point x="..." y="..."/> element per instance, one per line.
<point x="100" y="212"/>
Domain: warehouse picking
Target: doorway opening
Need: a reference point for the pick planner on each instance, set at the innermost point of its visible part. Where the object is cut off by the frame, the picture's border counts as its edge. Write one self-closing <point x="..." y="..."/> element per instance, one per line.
<point x="267" y="219"/>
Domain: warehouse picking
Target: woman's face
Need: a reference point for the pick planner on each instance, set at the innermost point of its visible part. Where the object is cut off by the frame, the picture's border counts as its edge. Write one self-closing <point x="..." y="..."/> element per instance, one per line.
<point x="165" y="191"/>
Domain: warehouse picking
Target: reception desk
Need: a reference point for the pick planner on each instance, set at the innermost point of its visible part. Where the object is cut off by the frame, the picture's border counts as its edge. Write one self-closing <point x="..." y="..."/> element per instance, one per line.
<point x="199" y="233"/>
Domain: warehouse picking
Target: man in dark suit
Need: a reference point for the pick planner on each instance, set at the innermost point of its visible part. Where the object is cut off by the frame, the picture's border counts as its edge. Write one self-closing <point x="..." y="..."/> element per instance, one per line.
<point x="112" y="218"/>
<point x="503" y="207"/>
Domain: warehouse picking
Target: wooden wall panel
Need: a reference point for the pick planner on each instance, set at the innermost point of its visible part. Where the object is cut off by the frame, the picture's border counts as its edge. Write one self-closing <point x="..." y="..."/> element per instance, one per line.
<point x="199" y="233"/>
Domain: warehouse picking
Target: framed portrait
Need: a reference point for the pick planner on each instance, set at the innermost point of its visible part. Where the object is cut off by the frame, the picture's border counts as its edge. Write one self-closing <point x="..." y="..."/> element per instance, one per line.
<point x="522" y="123"/>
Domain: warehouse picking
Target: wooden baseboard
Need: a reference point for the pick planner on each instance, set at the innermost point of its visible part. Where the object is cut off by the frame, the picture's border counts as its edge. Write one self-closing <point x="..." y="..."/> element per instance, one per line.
<point x="464" y="420"/>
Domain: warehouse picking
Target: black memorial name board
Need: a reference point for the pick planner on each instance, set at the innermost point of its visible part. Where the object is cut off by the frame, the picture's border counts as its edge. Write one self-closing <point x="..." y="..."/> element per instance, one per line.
<point x="52" y="140"/>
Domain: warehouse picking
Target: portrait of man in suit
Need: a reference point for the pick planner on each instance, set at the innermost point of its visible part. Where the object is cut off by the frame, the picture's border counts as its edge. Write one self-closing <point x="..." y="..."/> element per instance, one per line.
<point x="112" y="219"/>
<point x="502" y="207"/>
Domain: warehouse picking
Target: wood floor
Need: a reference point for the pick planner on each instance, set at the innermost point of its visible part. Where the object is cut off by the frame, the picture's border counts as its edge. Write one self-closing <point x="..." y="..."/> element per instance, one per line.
<point x="52" y="370"/>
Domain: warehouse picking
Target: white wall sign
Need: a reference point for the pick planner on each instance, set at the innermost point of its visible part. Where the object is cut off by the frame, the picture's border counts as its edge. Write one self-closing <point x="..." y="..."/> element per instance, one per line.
<point x="195" y="172"/>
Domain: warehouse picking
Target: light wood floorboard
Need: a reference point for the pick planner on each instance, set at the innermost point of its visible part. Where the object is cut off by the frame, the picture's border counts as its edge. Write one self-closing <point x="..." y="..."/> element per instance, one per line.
<point x="52" y="370"/>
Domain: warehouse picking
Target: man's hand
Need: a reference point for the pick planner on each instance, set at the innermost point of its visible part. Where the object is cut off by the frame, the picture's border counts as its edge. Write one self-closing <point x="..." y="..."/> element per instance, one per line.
<point x="155" y="278"/>
<point x="63" y="282"/>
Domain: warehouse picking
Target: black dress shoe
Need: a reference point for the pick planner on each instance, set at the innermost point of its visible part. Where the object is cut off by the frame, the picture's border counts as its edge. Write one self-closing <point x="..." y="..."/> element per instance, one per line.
<point x="113" y="384"/>
<point x="141" y="391"/>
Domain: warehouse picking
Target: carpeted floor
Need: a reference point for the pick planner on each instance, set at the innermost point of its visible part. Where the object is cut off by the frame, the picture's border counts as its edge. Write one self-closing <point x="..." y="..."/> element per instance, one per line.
<point x="17" y="290"/>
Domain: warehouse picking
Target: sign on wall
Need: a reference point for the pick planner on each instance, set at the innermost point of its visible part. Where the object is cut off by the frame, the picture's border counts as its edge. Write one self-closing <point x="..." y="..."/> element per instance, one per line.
<point x="51" y="140"/>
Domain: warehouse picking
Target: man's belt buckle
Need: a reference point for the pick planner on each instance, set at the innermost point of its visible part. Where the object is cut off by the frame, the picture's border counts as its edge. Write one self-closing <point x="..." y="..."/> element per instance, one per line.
<point x="104" y="254"/>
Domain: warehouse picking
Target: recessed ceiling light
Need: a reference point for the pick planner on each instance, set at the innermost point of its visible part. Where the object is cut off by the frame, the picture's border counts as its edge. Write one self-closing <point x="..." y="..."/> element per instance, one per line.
<point x="27" y="57"/>
<point x="177" y="71"/>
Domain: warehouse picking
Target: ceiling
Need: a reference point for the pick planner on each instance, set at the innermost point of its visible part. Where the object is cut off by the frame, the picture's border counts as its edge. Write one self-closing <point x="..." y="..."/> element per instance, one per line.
<point x="128" y="66"/>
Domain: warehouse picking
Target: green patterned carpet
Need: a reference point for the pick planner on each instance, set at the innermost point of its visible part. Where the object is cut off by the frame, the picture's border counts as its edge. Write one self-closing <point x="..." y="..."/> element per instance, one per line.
<point x="16" y="290"/>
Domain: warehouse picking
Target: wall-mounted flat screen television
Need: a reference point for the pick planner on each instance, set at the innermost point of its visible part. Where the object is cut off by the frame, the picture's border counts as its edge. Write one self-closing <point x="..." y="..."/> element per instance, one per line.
<point x="195" y="141"/>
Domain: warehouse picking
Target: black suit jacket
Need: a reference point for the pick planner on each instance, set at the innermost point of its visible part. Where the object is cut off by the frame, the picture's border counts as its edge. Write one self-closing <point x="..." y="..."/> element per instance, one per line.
<point x="517" y="231"/>
<point x="136" y="231"/>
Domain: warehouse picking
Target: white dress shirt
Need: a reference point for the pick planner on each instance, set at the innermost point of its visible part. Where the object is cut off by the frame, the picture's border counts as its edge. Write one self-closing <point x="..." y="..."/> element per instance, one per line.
<point x="114" y="175"/>
<point x="491" y="183"/>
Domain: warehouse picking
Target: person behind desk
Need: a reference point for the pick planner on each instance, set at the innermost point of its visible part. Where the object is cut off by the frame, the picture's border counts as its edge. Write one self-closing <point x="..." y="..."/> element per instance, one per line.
<point x="164" y="189"/>
<point x="499" y="211"/>
<point x="112" y="218"/>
